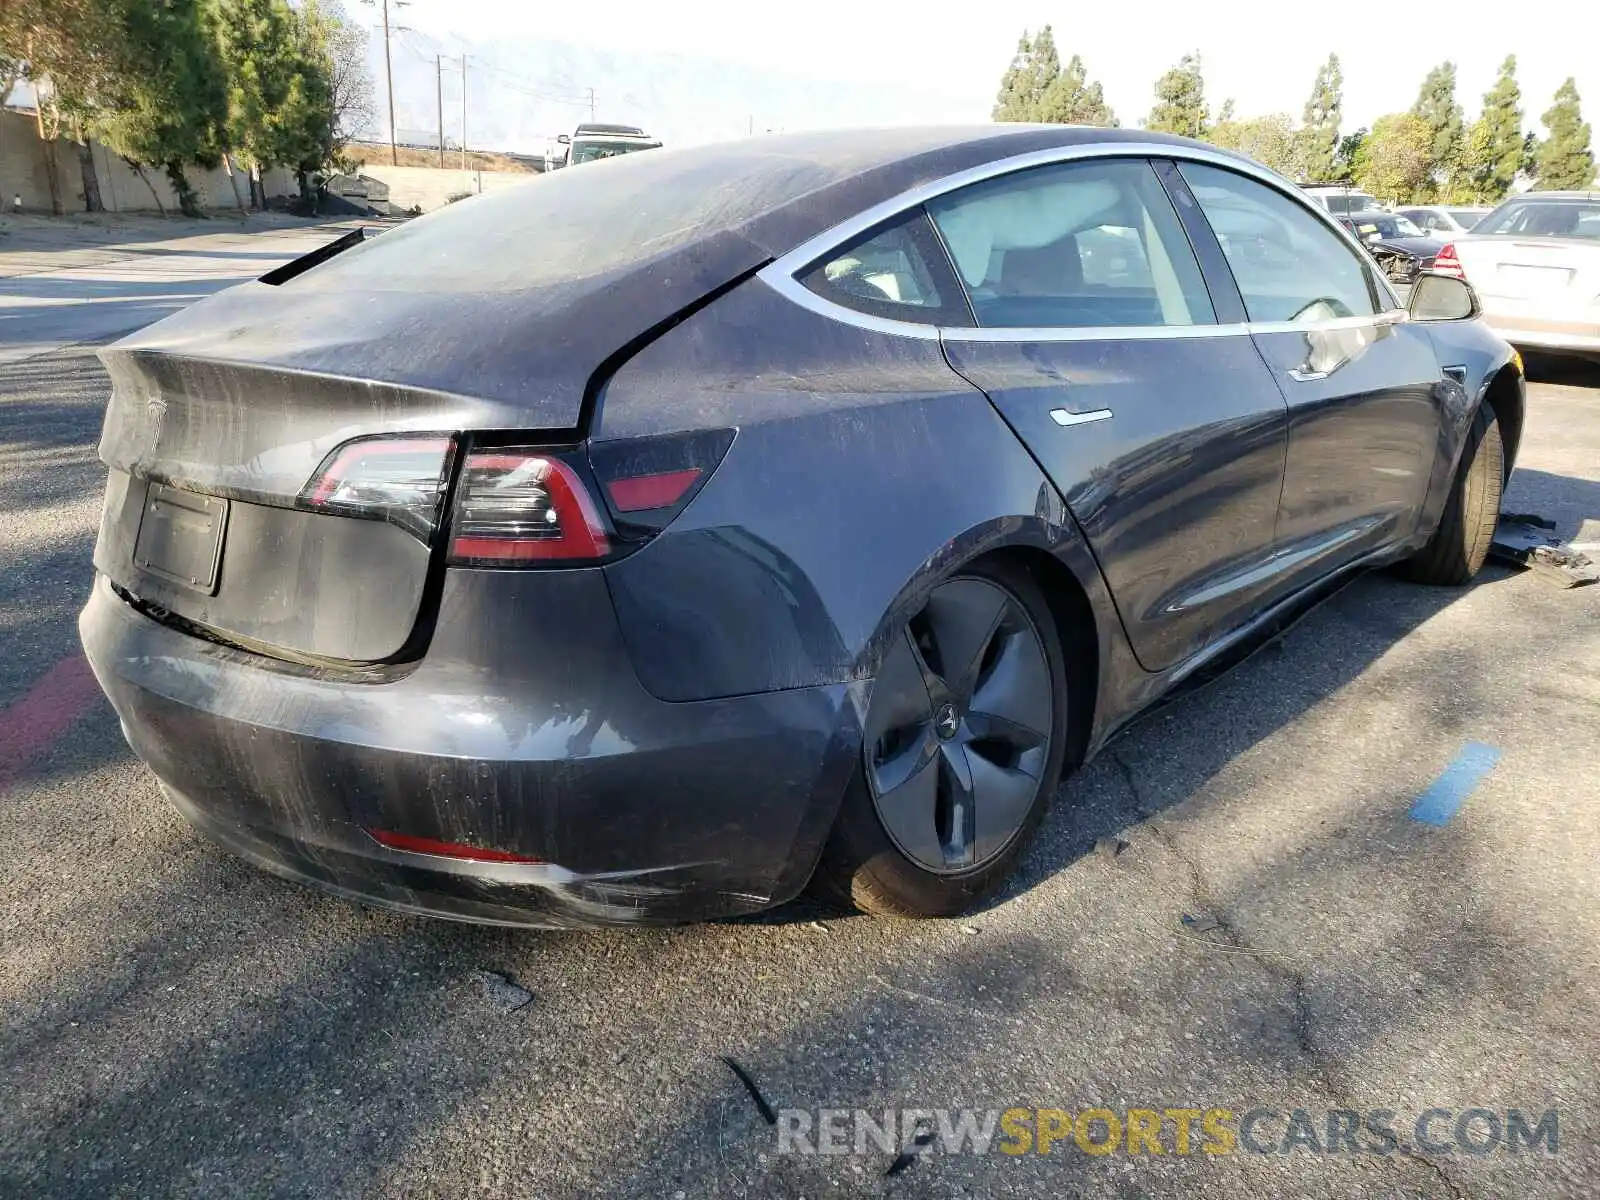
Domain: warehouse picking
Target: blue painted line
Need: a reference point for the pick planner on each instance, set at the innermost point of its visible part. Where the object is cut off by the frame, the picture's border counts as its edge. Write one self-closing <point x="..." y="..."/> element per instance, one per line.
<point x="1450" y="791"/>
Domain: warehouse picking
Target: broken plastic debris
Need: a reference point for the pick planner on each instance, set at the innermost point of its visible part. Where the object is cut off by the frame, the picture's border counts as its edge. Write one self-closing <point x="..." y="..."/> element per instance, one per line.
<point x="501" y="992"/>
<point x="1524" y="539"/>
<point x="1201" y="924"/>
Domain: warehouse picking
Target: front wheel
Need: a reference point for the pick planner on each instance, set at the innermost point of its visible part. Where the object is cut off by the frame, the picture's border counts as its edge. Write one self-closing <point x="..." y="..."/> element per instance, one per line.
<point x="963" y="744"/>
<point x="1460" y="544"/>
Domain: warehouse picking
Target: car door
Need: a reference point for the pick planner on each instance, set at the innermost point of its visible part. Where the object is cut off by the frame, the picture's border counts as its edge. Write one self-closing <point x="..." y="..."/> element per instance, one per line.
<point x="1363" y="386"/>
<point x="1096" y="338"/>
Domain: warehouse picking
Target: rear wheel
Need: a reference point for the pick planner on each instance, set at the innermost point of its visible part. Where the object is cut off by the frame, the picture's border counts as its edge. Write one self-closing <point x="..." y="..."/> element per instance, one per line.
<point x="1459" y="546"/>
<point x="963" y="744"/>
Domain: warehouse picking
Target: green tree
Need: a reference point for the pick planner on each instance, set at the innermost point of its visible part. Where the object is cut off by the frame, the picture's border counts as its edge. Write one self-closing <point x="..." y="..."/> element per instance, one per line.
<point x="68" y="51"/>
<point x="1352" y="155"/>
<point x="1319" y="134"/>
<point x="1564" y="160"/>
<point x="1181" y="101"/>
<point x="1494" y="147"/>
<point x="172" y="104"/>
<point x="1270" y="140"/>
<point x="1436" y="105"/>
<point x="1034" y="68"/>
<point x="1071" y="99"/>
<point x="1395" y="158"/>
<point x="280" y="98"/>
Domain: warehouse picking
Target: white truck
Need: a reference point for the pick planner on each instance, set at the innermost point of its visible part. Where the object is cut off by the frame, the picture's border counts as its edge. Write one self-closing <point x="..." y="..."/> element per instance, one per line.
<point x="592" y="141"/>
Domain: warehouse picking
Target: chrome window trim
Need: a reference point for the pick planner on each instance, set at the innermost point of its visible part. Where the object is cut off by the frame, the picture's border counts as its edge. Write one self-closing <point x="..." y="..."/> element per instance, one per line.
<point x="793" y="290"/>
<point x="780" y="274"/>
<point x="1091" y="333"/>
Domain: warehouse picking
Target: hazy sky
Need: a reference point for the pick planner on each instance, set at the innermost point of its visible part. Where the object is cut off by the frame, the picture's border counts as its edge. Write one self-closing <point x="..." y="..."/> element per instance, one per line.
<point x="950" y="57"/>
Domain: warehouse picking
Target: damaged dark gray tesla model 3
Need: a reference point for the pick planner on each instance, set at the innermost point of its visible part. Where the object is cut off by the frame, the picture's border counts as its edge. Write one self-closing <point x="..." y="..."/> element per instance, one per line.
<point x="644" y="542"/>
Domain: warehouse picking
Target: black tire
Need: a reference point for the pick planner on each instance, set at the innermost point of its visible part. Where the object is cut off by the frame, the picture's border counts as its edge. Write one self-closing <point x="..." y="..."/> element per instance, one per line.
<point x="862" y="865"/>
<point x="1460" y="544"/>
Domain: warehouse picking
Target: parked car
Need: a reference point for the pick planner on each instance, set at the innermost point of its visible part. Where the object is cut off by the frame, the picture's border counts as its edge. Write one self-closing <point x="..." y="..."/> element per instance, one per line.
<point x="566" y="559"/>
<point x="1397" y="245"/>
<point x="1339" y="198"/>
<point x="1535" y="261"/>
<point x="1443" y="221"/>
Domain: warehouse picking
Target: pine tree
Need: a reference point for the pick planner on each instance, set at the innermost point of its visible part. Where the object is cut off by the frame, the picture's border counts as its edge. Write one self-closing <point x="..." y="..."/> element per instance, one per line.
<point x="1436" y="105"/>
<point x="1073" y="100"/>
<point x="1494" y="150"/>
<point x="1181" y="100"/>
<point x="1564" y="160"/>
<point x="1319" y="135"/>
<point x="1034" y="69"/>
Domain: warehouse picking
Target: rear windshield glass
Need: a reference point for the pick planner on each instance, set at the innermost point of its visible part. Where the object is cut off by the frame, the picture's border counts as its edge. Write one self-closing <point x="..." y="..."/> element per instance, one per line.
<point x="568" y="226"/>
<point x="1545" y="218"/>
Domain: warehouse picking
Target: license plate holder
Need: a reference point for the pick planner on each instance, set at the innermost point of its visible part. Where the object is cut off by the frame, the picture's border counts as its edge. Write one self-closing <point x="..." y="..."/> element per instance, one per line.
<point x="180" y="537"/>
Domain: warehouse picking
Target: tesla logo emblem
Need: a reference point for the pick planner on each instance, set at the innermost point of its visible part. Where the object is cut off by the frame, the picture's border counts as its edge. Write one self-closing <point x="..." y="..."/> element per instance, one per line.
<point x="157" y="408"/>
<point x="946" y="721"/>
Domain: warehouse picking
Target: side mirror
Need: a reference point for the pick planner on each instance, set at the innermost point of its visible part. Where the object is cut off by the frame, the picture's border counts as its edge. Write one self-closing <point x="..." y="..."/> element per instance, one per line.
<point x="1442" y="298"/>
<point x="564" y="139"/>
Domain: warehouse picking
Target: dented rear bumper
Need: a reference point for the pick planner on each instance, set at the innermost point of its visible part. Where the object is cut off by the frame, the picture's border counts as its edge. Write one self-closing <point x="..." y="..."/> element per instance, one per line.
<point x="543" y="745"/>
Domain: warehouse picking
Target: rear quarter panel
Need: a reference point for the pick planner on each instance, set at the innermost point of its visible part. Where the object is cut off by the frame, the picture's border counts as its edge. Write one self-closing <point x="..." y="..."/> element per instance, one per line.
<point x="864" y="470"/>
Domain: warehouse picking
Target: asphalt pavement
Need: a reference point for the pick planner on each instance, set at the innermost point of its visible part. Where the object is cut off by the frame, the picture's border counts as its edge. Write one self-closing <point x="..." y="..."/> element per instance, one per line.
<point x="1233" y="908"/>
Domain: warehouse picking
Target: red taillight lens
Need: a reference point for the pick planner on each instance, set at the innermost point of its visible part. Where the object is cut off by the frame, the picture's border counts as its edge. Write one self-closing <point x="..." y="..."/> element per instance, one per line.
<point x="422" y="845"/>
<point x="398" y="479"/>
<point x="522" y="506"/>
<point x="1446" y="263"/>
<point x="645" y="492"/>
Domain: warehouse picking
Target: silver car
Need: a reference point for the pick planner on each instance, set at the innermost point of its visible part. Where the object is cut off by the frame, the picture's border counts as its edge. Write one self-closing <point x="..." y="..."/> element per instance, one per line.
<point x="1535" y="262"/>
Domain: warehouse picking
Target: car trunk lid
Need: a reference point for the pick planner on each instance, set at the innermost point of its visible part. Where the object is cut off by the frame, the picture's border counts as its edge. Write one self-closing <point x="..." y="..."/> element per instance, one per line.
<point x="1531" y="269"/>
<point x="220" y="417"/>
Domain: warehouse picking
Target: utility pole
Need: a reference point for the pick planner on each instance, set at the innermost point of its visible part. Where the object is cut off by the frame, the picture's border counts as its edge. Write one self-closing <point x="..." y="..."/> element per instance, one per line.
<point x="438" y="76"/>
<point x="388" y="76"/>
<point x="591" y="104"/>
<point x="388" y="69"/>
<point x="463" y="112"/>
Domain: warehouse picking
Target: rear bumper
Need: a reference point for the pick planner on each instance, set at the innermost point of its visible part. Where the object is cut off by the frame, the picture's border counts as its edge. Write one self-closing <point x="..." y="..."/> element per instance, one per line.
<point x="524" y="730"/>
<point x="1521" y="328"/>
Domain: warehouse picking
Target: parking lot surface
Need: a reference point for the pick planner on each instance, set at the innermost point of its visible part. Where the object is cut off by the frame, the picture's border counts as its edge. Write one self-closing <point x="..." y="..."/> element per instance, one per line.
<point x="1233" y="908"/>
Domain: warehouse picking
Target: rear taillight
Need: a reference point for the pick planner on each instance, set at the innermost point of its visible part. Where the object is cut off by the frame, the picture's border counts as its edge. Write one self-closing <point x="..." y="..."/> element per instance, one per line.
<point x="523" y="506"/>
<point x="397" y="479"/>
<point x="1446" y="263"/>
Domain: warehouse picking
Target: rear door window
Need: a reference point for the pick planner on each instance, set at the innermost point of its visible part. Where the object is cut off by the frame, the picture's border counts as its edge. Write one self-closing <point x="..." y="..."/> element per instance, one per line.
<point x="1076" y="245"/>
<point x="1288" y="264"/>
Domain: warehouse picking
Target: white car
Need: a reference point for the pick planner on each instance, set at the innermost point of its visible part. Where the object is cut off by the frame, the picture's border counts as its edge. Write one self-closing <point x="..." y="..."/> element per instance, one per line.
<point x="1444" y="221"/>
<point x="1341" y="200"/>
<point x="591" y="142"/>
<point x="1535" y="263"/>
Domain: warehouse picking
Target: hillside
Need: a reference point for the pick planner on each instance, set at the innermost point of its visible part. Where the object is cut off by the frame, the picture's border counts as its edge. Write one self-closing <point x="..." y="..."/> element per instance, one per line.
<point x="477" y="160"/>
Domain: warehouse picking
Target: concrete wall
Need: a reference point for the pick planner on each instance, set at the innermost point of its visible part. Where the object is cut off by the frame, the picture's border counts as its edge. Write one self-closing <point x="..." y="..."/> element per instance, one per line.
<point x="429" y="188"/>
<point x="22" y="173"/>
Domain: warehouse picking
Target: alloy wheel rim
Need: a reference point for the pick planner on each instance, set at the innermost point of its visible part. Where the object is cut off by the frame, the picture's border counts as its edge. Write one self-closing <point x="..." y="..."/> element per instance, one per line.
<point x="958" y="729"/>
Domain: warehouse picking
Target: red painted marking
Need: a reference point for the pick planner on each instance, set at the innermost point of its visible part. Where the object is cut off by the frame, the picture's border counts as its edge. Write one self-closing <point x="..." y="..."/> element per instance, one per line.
<point x="53" y="705"/>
